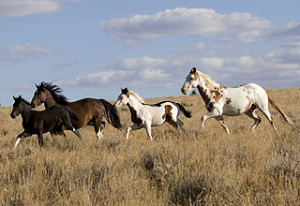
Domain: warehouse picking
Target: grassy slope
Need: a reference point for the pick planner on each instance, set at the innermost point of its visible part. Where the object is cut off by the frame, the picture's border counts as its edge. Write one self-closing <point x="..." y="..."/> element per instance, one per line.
<point x="201" y="167"/>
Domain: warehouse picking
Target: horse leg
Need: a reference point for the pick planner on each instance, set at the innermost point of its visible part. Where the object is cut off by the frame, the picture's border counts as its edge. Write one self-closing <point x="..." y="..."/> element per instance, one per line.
<point x="222" y="123"/>
<point x="57" y="130"/>
<point x="211" y="114"/>
<point x="148" y="129"/>
<point x="133" y="127"/>
<point x="40" y="137"/>
<point x="252" y="114"/>
<point x="173" y="123"/>
<point x="264" y="109"/>
<point x="68" y="125"/>
<point x="99" y="125"/>
<point x="21" y="136"/>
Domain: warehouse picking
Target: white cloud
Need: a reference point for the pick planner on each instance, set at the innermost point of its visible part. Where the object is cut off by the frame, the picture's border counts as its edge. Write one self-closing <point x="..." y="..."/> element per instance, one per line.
<point x="182" y="21"/>
<point x="27" y="48"/>
<point x="19" y="8"/>
<point x="21" y="52"/>
<point x="212" y="62"/>
<point x="290" y="32"/>
<point x="153" y="74"/>
<point x="145" y="62"/>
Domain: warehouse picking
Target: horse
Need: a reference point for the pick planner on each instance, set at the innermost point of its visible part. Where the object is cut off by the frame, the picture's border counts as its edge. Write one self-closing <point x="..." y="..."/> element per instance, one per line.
<point x="146" y="116"/>
<point x="90" y="111"/>
<point x="231" y="101"/>
<point x="40" y="122"/>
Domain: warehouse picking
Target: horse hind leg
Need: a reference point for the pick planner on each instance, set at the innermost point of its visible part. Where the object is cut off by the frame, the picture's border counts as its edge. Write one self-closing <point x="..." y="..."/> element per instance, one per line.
<point x="173" y="120"/>
<point x="264" y="109"/>
<point x="222" y="123"/>
<point x="252" y="114"/>
<point x="68" y="124"/>
<point x="99" y="125"/>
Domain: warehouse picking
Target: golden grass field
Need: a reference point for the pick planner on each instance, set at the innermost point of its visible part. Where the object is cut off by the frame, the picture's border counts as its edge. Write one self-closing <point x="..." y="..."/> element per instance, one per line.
<point x="195" y="167"/>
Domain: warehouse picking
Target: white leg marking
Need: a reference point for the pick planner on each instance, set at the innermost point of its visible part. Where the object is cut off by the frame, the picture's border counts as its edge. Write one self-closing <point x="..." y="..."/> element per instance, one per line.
<point x="99" y="134"/>
<point x="148" y="129"/>
<point x="17" y="142"/>
<point x="127" y="132"/>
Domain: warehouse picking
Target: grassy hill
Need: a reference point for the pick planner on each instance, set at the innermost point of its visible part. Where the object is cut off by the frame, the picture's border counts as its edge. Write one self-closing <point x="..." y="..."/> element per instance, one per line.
<point x="195" y="167"/>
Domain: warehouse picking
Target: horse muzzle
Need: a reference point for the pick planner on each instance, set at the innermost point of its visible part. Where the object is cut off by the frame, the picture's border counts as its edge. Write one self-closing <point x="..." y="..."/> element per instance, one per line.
<point x="183" y="91"/>
<point x="12" y="115"/>
<point x="32" y="105"/>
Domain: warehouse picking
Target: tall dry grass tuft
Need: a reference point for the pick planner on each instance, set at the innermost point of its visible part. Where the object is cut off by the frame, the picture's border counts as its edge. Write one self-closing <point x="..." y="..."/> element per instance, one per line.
<point x="190" y="167"/>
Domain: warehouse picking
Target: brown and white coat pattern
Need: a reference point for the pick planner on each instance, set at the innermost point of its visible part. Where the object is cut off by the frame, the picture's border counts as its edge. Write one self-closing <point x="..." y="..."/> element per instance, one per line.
<point x="146" y="116"/>
<point x="231" y="101"/>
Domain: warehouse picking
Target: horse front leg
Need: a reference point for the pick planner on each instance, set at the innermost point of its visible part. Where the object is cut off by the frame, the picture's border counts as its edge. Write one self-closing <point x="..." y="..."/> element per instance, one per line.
<point x="211" y="114"/>
<point x="40" y="138"/>
<point x="133" y="127"/>
<point x="21" y="136"/>
<point x="148" y="129"/>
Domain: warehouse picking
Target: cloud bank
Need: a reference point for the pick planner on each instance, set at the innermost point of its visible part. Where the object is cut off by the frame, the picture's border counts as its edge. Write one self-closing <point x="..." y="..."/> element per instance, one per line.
<point x="21" y="52"/>
<point x="207" y="23"/>
<point x="20" y="8"/>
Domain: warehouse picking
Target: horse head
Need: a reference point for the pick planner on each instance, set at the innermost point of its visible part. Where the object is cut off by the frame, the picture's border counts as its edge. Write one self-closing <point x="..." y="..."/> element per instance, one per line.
<point x="39" y="96"/>
<point x="191" y="81"/>
<point x="123" y="98"/>
<point x="19" y="106"/>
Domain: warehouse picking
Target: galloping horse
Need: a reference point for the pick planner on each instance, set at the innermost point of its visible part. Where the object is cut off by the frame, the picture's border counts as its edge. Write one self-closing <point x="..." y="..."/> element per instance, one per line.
<point x="231" y="101"/>
<point x="146" y="116"/>
<point x="39" y="122"/>
<point x="89" y="110"/>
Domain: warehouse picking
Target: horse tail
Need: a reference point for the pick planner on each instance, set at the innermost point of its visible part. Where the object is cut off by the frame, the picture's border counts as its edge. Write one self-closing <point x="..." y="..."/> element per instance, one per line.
<point x="111" y="114"/>
<point x="276" y="106"/>
<point x="186" y="113"/>
<point x="72" y="114"/>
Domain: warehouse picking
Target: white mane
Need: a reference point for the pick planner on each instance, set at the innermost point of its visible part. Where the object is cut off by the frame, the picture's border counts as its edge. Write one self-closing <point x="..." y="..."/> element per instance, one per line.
<point x="138" y="97"/>
<point x="208" y="81"/>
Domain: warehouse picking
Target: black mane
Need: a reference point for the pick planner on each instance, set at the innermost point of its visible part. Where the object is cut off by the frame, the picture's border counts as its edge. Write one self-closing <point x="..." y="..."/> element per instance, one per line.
<point x="55" y="92"/>
<point x="20" y="99"/>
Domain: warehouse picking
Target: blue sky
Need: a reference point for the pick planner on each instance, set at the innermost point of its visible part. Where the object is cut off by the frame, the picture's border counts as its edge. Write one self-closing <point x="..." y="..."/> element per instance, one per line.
<point x="93" y="48"/>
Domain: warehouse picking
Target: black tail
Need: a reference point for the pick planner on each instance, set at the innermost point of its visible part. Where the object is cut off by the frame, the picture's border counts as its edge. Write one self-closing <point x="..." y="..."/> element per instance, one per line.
<point x="72" y="114"/>
<point x="111" y="114"/>
<point x="186" y="113"/>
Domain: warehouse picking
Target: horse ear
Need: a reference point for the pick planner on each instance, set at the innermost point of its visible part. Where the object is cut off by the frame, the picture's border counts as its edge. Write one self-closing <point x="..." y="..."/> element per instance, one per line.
<point x="37" y="86"/>
<point x="14" y="98"/>
<point x="193" y="70"/>
<point x="125" y="90"/>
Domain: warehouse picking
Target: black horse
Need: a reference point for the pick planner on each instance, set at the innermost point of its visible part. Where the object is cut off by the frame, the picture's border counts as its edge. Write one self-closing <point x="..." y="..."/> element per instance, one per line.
<point x="40" y="122"/>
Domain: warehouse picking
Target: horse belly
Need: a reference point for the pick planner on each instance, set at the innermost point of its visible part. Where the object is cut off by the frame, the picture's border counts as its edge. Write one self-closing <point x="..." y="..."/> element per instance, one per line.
<point x="157" y="116"/>
<point x="237" y="106"/>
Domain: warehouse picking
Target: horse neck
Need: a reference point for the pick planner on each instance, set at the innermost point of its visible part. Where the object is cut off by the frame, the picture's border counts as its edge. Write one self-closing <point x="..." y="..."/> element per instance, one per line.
<point x="49" y="100"/>
<point x="134" y="103"/>
<point x="26" y="113"/>
<point x="205" y="89"/>
<point x="205" y="93"/>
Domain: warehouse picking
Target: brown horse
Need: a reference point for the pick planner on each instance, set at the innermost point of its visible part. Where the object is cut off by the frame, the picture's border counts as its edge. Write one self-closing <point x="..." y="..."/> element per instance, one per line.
<point x="89" y="110"/>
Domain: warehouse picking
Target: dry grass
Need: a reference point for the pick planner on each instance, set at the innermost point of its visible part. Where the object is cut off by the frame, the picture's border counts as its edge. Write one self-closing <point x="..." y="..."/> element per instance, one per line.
<point x="195" y="167"/>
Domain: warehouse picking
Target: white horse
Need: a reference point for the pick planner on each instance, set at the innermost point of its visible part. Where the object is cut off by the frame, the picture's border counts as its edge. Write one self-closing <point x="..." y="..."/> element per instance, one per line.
<point x="231" y="101"/>
<point x="146" y="116"/>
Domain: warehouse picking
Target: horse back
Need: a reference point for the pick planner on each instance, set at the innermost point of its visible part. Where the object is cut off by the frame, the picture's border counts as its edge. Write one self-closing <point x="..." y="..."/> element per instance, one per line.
<point x="86" y="109"/>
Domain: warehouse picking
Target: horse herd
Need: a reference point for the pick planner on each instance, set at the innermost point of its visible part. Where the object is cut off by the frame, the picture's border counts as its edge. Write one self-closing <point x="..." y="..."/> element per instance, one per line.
<point x="60" y="114"/>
